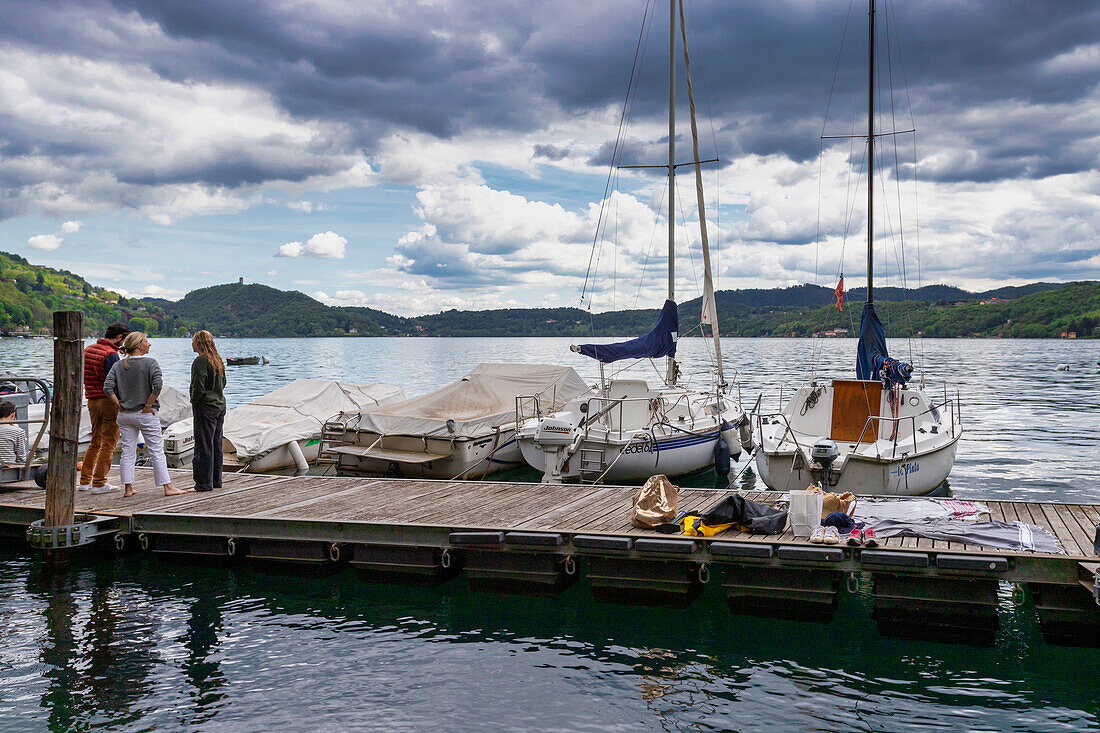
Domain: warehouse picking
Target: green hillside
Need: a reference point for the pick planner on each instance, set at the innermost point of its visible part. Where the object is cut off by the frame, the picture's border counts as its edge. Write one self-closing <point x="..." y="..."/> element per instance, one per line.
<point x="30" y="293"/>
<point x="258" y="310"/>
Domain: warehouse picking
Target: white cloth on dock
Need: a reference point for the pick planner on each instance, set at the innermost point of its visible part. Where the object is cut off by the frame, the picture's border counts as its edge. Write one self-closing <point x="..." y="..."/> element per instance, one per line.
<point x="876" y="511"/>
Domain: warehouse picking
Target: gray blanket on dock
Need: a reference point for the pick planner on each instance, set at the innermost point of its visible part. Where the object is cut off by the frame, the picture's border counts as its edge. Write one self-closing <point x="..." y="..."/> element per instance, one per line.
<point x="1007" y="535"/>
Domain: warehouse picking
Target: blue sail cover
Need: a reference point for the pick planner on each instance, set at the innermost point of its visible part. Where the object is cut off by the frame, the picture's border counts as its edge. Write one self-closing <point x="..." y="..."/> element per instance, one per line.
<point x="872" y="359"/>
<point x="661" y="341"/>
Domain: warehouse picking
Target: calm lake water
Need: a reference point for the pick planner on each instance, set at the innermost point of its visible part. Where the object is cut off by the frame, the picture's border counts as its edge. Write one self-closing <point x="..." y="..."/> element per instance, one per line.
<point x="129" y="643"/>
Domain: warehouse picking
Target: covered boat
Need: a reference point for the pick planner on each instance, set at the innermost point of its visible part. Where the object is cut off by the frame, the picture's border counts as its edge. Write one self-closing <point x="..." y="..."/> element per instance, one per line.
<point x="464" y="430"/>
<point x="282" y="429"/>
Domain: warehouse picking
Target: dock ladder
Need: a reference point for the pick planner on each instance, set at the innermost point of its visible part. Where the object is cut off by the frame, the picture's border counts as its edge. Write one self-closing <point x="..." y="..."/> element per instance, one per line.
<point x="593" y="463"/>
<point x="333" y="432"/>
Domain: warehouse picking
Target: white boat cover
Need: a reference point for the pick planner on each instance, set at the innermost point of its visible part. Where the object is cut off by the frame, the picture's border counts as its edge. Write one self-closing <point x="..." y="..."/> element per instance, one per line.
<point x="297" y="412"/>
<point x="478" y="403"/>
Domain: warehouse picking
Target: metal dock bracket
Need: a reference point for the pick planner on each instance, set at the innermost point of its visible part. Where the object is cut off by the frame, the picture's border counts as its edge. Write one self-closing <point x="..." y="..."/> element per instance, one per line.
<point x="68" y="536"/>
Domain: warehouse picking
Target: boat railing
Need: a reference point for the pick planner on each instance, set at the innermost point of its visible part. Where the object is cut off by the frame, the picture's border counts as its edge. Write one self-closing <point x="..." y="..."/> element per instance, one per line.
<point x="787" y="430"/>
<point x="524" y="402"/>
<point x="608" y="406"/>
<point x="954" y="420"/>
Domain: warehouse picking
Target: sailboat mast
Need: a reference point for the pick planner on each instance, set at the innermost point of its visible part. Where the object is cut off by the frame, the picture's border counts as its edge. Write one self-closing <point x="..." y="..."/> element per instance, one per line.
<point x="710" y="309"/>
<point x="871" y="152"/>
<point x="670" y="377"/>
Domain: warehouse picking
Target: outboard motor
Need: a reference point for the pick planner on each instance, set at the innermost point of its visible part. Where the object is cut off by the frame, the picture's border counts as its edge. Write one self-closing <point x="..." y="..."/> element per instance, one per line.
<point x="825" y="453"/>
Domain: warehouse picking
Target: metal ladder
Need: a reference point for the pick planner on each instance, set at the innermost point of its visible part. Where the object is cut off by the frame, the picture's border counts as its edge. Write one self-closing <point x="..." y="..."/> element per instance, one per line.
<point x="332" y="433"/>
<point x="593" y="462"/>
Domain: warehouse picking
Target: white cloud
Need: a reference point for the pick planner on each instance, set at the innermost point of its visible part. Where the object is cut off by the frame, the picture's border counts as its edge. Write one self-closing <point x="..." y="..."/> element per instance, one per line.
<point x="307" y="207"/>
<point x="156" y="291"/>
<point x="70" y="227"/>
<point x="327" y="245"/>
<point x="169" y="148"/>
<point x="272" y="272"/>
<point x="44" y="242"/>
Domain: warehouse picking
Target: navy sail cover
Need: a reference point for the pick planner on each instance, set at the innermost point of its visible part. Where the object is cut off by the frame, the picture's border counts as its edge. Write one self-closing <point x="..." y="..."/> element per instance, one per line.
<point x="872" y="359"/>
<point x="661" y="341"/>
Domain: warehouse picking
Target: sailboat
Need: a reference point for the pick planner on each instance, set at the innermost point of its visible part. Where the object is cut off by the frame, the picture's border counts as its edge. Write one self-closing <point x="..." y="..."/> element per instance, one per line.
<point x="877" y="433"/>
<point x="627" y="430"/>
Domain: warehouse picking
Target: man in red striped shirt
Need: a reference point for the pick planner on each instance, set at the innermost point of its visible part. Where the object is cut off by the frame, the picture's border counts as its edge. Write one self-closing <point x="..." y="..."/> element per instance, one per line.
<point x="98" y="360"/>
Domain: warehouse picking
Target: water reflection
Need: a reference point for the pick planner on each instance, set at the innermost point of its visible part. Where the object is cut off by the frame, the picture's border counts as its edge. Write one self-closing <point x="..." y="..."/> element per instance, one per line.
<point x="95" y="664"/>
<point x="127" y="644"/>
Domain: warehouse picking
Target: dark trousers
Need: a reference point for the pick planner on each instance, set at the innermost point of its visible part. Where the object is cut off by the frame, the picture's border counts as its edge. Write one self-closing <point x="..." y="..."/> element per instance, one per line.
<point x="206" y="467"/>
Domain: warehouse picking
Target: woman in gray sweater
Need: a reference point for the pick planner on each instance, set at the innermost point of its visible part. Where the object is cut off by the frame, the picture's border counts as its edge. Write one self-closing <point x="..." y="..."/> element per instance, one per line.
<point x="133" y="384"/>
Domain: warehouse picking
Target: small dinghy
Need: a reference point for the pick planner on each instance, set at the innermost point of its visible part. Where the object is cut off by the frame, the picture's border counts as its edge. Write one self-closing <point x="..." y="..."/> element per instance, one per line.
<point x="281" y="429"/>
<point x="246" y="360"/>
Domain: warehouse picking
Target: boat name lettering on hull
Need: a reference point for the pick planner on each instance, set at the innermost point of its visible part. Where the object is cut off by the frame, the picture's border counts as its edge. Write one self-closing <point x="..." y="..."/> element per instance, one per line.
<point x="642" y="446"/>
<point x="905" y="469"/>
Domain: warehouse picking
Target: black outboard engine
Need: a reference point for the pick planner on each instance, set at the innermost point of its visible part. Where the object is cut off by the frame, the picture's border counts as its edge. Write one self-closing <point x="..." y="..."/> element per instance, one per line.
<point x="824" y="453"/>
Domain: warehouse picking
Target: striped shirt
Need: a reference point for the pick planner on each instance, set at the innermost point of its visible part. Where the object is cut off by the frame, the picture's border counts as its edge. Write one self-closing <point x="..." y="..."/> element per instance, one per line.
<point x="13" y="444"/>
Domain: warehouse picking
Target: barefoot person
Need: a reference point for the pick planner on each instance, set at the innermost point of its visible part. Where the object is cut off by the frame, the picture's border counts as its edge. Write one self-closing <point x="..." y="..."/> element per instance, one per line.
<point x="208" y="407"/>
<point x="98" y="360"/>
<point x="133" y="385"/>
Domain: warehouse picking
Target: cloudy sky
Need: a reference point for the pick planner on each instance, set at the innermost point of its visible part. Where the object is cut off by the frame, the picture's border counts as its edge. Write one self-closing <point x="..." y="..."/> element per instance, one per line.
<point x="418" y="156"/>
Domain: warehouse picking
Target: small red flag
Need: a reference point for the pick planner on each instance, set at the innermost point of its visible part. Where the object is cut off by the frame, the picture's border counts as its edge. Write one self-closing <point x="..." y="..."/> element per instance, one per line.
<point x="839" y="293"/>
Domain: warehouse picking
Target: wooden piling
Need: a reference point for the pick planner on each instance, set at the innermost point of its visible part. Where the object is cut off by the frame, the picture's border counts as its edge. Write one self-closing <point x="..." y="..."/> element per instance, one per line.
<point x="68" y="378"/>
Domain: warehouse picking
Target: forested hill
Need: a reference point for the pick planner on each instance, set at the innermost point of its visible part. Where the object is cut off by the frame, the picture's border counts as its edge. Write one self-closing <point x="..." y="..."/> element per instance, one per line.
<point x="29" y="293"/>
<point x="1032" y="311"/>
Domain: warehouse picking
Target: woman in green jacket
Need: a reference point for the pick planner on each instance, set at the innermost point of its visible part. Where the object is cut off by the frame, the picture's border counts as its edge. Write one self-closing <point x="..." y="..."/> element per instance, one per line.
<point x="208" y="409"/>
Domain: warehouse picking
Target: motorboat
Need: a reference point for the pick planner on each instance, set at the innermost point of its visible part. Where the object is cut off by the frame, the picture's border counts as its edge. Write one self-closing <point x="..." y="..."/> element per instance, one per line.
<point x="464" y="430"/>
<point x="877" y="433"/>
<point x="281" y="429"/>
<point x="629" y="429"/>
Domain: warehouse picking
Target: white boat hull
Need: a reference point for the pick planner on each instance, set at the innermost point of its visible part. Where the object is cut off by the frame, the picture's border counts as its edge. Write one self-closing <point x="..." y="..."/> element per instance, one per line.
<point x="464" y="458"/>
<point x="633" y="433"/>
<point x="676" y="454"/>
<point x="910" y="476"/>
<point x="901" y="444"/>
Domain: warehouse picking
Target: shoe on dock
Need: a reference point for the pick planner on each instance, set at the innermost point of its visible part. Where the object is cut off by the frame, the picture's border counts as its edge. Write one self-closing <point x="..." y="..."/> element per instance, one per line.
<point x="104" y="489"/>
<point x="832" y="536"/>
<point x="818" y="535"/>
<point x="855" y="539"/>
<point x="869" y="537"/>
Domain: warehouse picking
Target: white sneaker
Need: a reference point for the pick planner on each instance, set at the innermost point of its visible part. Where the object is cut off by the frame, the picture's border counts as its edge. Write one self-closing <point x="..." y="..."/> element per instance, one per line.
<point x="104" y="489"/>
<point x="83" y="487"/>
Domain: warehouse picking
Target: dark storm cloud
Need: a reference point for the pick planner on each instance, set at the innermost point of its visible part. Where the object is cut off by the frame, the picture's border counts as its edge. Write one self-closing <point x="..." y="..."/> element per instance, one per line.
<point x="763" y="69"/>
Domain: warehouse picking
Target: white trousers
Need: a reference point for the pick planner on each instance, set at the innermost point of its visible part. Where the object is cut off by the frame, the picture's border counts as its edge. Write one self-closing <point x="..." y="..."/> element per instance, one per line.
<point x="131" y="426"/>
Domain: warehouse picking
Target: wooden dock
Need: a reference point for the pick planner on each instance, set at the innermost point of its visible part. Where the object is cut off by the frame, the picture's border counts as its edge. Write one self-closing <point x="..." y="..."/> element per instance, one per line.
<point x="539" y="538"/>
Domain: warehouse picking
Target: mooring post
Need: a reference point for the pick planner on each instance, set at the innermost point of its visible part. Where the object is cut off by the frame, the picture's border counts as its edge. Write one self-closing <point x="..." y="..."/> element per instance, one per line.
<point x="68" y="376"/>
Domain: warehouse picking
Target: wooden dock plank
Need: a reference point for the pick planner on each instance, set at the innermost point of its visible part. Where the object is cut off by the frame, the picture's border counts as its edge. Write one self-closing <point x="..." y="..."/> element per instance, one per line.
<point x="604" y="500"/>
<point x="1071" y="539"/>
<point x="148" y="497"/>
<point x="580" y="500"/>
<point x="1078" y="514"/>
<point x="361" y="506"/>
